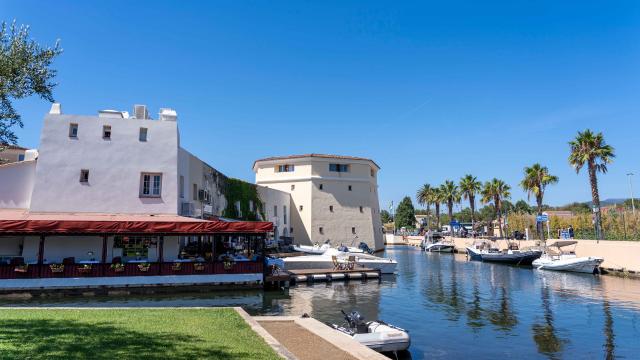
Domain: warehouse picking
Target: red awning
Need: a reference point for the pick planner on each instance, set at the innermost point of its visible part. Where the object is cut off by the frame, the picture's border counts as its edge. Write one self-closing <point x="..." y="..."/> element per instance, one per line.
<point x="52" y="223"/>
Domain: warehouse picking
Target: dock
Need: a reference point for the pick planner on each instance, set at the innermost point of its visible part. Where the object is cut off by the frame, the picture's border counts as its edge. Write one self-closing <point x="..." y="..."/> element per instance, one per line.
<point x="286" y="278"/>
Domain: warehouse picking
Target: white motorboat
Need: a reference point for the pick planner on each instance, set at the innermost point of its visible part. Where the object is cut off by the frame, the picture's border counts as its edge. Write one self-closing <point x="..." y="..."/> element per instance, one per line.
<point x="377" y="335"/>
<point x="315" y="249"/>
<point x="325" y="261"/>
<point x="558" y="259"/>
<point x="440" y="246"/>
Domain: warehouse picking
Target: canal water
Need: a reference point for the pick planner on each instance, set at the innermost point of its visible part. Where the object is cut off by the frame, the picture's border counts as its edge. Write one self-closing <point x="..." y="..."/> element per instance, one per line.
<point x="455" y="308"/>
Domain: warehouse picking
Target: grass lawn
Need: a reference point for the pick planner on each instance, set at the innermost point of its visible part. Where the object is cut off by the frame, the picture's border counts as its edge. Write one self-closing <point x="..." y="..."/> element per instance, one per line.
<point x="128" y="334"/>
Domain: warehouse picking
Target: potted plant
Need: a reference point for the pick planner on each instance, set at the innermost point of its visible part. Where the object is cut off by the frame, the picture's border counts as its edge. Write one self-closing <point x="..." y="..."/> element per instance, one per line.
<point x="56" y="268"/>
<point x="21" y="268"/>
<point x="144" y="267"/>
<point x="176" y="266"/>
<point x="117" y="267"/>
<point x="85" y="268"/>
<point x="198" y="266"/>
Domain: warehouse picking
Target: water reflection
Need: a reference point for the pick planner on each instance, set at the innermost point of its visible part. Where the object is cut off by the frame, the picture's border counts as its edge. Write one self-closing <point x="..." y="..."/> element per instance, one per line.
<point x="544" y="334"/>
<point x="609" y="344"/>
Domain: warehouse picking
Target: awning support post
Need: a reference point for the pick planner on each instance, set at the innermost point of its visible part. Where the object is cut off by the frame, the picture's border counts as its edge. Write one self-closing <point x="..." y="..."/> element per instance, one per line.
<point x="160" y="253"/>
<point x="40" y="255"/>
<point x="104" y="254"/>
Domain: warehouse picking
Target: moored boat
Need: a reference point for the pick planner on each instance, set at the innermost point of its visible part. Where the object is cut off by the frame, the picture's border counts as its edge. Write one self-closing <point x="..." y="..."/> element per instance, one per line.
<point x="557" y="258"/>
<point x="326" y="261"/>
<point x="513" y="255"/>
<point x="377" y="335"/>
<point x="314" y="249"/>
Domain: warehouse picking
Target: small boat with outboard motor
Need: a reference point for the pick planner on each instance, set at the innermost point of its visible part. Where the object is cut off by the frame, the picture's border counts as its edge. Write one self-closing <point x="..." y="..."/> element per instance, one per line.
<point x="512" y="255"/>
<point x="377" y="335"/>
<point x="557" y="257"/>
<point x="329" y="258"/>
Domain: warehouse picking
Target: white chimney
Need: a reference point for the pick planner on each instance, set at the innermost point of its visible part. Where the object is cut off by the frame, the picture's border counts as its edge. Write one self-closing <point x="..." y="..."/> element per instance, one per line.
<point x="168" y="114"/>
<point x="140" y="112"/>
<point x="56" y="109"/>
<point x="31" y="154"/>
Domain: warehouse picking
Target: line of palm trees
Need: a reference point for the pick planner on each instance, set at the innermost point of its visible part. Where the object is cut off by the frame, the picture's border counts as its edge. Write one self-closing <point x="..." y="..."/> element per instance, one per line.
<point x="588" y="148"/>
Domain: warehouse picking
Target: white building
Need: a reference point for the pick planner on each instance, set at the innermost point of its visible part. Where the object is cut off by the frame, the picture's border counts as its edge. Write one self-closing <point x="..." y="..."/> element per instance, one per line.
<point x="333" y="198"/>
<point x="119" y="170"/>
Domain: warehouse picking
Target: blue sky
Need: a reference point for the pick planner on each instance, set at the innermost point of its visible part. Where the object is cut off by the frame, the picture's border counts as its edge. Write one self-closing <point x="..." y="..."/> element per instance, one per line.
<point x="429" y="90"/>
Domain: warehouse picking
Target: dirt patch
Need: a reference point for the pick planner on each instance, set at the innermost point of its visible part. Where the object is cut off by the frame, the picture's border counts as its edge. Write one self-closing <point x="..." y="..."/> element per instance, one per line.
<point x="302" y="343"/>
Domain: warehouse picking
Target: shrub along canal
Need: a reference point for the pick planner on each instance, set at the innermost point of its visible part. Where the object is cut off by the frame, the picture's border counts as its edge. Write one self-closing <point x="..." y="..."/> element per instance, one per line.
<point x="453" y="308"/>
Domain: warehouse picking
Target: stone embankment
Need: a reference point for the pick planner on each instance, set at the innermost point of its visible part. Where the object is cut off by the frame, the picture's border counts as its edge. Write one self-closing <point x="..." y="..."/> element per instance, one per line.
<point x="619" y="256"/>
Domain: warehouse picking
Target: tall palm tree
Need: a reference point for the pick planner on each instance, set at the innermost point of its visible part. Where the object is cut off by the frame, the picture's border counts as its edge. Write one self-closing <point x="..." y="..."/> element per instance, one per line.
<point x="470" y="186"/>
<point x="496" y="191"/>
<point x="591" y="149"/>
<point x="437" y="199"/>
<point x="425" y="197"/>
<point x="535" y="181"/>
<point x="451" y="195"/>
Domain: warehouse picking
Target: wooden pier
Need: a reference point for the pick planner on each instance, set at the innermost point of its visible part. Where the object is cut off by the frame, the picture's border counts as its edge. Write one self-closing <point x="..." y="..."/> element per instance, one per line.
<point x="287" y="278"/>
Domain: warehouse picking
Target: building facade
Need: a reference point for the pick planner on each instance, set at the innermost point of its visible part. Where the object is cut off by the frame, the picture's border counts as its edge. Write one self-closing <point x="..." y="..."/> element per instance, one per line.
<point x="333" y="198"/>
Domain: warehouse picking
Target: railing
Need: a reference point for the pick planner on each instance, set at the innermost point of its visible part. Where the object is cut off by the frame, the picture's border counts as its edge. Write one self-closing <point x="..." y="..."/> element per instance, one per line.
<point x="129" y="269"/>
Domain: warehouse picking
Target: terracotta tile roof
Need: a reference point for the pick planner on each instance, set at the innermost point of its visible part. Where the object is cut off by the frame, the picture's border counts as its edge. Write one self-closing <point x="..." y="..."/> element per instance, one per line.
<point x="325" y="156"/>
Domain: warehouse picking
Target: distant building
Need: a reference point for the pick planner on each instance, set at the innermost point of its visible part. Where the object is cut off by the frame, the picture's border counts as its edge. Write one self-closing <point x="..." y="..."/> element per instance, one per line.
<point x="333" y="198"/>
<point x="11" y="154"/>
<point x="560" y="213"/>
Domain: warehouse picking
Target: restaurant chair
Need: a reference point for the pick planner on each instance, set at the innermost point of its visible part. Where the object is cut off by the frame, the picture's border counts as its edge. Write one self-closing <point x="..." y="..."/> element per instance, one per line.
<point x="116" y="260"/>
<point x="17" y="261"/>
<point x="69" y="261"/>
<point x="351" y="262"/>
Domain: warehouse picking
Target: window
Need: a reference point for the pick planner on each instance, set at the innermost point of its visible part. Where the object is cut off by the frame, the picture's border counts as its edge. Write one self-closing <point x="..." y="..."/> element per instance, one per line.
<point x="321" y="230"/>
<point x="353" y="230"/>
<point x="21" y="157"/>
<point x="143" y="134"/>
<point x="293" y="187"/>
<point x="84" y="176"/>
<point x="361" y="209"/>
<point x="339" y="167"/>
<point x="238" y="209"/>
<point x="150" y="185"/>
<point x="373" y="173"/>
<point x="291" y="230"/>
<point x="106" y="132"/>
<point x="195" y="191"/>
<point x="284" y="214"/>
<point x="285" y="168"/>
<point x="350" y="188"/>
<point x="320" y="186"/>
<point x="250" y="205"/>
<point x="331" y="208"/>
<point x="73" y="130"/>
<point x="300" y="207"/>
<point x="181" y="187"/>
<point x="275" y="210"/>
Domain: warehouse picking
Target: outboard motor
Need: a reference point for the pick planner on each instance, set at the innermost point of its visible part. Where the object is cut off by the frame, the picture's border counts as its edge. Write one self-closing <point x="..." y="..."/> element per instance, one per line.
<point x="343" y="248"/>
<point x="356" y="321"/>
<point x="364" y="247"/>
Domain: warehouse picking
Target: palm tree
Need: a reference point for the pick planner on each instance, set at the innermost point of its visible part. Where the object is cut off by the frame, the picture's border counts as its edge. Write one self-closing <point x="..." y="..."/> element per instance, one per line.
<point x="495" y="191"/>
<point x="437" y="199"/>
<point x="536" y="179"/>
<point x="470" y="186"/>
<point x="425" y="197"/>
<point x="591" y="149"/>
<point x="450" y="195"/>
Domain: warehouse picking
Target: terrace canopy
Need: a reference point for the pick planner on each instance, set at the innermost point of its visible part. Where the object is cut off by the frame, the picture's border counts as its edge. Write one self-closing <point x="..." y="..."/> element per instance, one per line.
<point x="22" y="222"/>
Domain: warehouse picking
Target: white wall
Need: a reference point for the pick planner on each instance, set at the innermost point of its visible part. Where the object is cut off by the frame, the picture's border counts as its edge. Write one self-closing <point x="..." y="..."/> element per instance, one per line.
<point x="272" y="197"/>
<point x="114" y="165"/>
<point x="16" y="184"/>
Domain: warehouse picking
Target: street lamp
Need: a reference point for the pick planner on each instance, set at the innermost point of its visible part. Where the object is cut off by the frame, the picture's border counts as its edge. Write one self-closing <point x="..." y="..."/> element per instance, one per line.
<point x="633" y="205"/>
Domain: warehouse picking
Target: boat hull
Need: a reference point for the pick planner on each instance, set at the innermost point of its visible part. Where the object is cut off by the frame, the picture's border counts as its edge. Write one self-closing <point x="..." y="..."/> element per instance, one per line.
<point x="588" y="265"/>
<point x="474" y="254"/>
<point x="295" y="263"/>
<point x="520" y="258"/>
<point x="443" y="248"/>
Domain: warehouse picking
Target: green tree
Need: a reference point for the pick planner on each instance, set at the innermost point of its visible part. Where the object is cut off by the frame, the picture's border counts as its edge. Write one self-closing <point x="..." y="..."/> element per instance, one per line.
<point x="535" y="182"/>
<point x="496" y="191"/>
<point x="591" y="149"/>
<point x="438" y="199"/>
<point x="451" y="195"/>
<point x="24" y="71"/>
<point x="405" y="213"/>
<point x="385" y="217"/>
<point x="470" y="186"/>
<point x="522" y="207"/>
